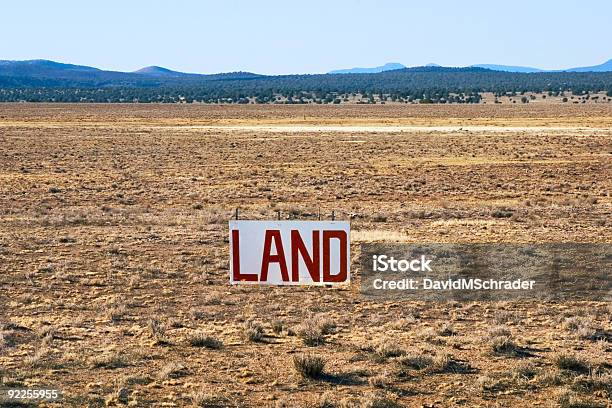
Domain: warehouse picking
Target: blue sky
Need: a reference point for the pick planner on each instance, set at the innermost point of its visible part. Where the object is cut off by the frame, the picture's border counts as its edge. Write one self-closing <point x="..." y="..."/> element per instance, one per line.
<point x="276" y="37"/>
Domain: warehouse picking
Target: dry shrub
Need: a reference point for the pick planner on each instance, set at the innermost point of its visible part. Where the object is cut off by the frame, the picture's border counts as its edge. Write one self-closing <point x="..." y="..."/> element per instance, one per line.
<point x="309" y="365"/>
<point x="378" y="399"/>
<point x="388" y="348"/>
<point x="325" y="324"/>
<point x="325" y="400"/>
<point x="518" y="378"/>
<point x="123" y="395"/>
<point x="505" y="316"/>
<point x="46" y="331"/>
<point x="378" y="217"/>
<point x="584" y="328"/>
<point x="447" y="329"/>
<point x="440" y="363"/>
<point x="490" y="383"/>
<point x="175" y="323"/>
<point x="502" y="212"/>
<point x="157" y="330"/>
<point x="569" y="399"/>
<point x="172" y="370"/>
<point x="573" y="323"/>
<point x="37" y="359"/>
<point x="313" y="331"/>
<point x="430" y="335"/>
<point x="203" y="398"/>
<point x="214" y="298"/>
<point x="253" y="331"/>
<point x="108" y="360"/>
<point x="379" y="381"/>
<point x="499" y="331"/>
<point x="115" y="311"/>
<point x="416" y="361"/>
<point x="593" y="382"/>
<point x="198" y="315"/>
<point x="504" y="345"/>
<point x="446" y="363"/>
<point x="550" y="378"/>
<point x="570" y="362"/>
<point x="200" y="339"/>
<point x="524" y="371"/>
<point x="277" y="326"/>
<point x="403" y="323"/>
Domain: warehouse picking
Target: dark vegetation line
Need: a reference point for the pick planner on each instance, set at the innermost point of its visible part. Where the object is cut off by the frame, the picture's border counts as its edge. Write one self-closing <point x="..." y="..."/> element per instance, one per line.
<point x="422" y="85"/>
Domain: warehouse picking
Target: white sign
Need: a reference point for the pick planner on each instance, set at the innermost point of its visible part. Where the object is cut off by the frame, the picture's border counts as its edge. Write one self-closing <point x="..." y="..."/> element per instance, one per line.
<point x="289" y="252"/>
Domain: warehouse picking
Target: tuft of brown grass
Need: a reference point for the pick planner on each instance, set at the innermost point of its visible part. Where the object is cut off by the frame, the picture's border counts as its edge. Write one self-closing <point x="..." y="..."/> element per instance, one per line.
<point x="430" y="335"/>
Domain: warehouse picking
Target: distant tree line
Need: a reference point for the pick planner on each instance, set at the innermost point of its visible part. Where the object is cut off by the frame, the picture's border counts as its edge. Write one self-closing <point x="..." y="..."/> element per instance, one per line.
<point x="418" y="85"/>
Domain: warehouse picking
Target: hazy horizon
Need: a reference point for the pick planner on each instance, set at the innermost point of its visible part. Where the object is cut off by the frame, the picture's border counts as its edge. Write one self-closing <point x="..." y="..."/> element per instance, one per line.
<point x="280" y="38"/>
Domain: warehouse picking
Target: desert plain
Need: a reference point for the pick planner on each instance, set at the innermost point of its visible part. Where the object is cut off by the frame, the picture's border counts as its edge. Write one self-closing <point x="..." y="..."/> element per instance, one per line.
<point x="114" y="281"/>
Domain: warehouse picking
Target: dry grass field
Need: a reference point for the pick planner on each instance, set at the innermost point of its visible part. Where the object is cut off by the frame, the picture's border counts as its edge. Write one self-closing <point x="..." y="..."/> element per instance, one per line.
<point x="114" y="254"/>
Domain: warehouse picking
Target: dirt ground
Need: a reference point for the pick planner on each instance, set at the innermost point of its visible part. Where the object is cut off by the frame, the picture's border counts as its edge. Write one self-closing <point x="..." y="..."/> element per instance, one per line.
<point x="114" y="253"/>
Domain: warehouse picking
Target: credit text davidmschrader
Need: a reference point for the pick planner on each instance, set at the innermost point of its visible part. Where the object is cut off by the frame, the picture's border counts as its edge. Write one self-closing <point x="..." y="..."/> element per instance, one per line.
<point x="384" y="263"/>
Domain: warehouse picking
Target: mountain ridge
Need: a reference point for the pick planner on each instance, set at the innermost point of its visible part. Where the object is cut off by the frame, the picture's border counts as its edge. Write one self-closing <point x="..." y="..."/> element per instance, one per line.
<point x="37" y="81"/>
<point x="389" y="66"/>
<point x="41" y="68"/>
<point x="603" y="67"/>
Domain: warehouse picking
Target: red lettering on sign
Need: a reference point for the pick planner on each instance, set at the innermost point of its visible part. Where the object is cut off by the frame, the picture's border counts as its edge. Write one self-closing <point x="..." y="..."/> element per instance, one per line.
<point x="249" y="277"/>
<point x="342" y="237"/>
<point x="299" y="248"/>
<point x="268" y="258"/>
